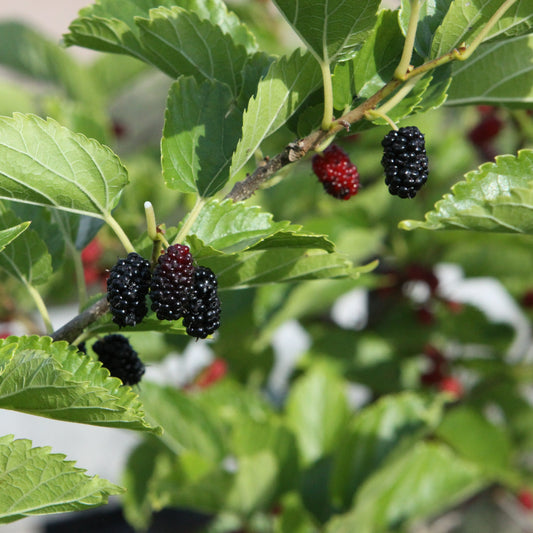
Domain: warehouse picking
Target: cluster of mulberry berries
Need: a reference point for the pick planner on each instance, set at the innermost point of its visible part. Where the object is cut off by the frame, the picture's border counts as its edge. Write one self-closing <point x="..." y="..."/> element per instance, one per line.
<point x="338" y="175"/>
<point x="176" y="287"/>
<point x="405" y="161"/>
<point x="117" y="355"/>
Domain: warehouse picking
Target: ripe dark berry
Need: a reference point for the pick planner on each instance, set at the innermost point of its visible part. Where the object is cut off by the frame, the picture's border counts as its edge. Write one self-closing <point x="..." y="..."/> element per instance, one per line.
<point x="127" y="287"/>
<point x="172" y="280"/>
<point x="405" y="161"/>
<point x="338" y="175"/>
<point x="202" y="316"/>
<point x="117" y="355"/>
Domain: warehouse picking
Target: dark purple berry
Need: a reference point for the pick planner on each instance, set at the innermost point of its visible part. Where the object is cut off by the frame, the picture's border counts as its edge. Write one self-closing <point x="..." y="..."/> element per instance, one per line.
<point x="405" y="161"/>
<point x="172" y="280"/>
<point x="202" y="316"/>
<point x="127" y="287"/>
<point x="338" y="175"/>
<point x="117" y="355"/>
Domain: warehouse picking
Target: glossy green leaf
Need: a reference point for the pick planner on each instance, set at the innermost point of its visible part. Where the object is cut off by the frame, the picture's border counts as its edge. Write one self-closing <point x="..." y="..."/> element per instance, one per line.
<point x="187" y="425"/>
<point x="35" y="481"/>
<point x="60" y="230"/>
<point x="289" y="81"/>
<point x="232" y="227"/>
<point x="498" y="73"/>
<point x="389" y="426"/>
<point x="476" y="439"/>
<point x="27" y="258"/>
<point x="46" y="164"/>
<point x="9" y="234"/>
<point x="109" y="25"/>
<point x="466" y="18"/>
<point x="317" y="412"/>
<point x="496" y="197"/>
<point x="331" y="29"/>
<point x="201" y="131"/>
<point x="105" y="325"/>
<point x="251" y="268"/>
<point x="379" y="56"/>
<point x="425" y="480"/>
<point x="53" y="379"/>
<point x="432" y="13"/>
<point x="180" y="43"/>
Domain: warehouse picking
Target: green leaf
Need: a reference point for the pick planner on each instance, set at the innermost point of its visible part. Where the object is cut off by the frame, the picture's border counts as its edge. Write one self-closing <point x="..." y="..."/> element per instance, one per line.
<point x="10" y="234"/>
<point x="251" y="437"/>
<point x="289" y="81"/>
<point x="201" y="131"/>
<point x="187" y="426"/>
<point x="53" y="379"/>
<point x="465" y="19"/>
<point x="294" y="518"/>
<point x="59" y="229"/>
<point x="379" y="56"/>
<point x="317" y="412"/>
<point x="304" y="299"/>
<point x="389" y="426"/>
<point x="180" y="43"/>
<point x="136" y="478"/>
<point x="27" y="258"/>
<point x="496" y="197"/>
<point x="498" y="73"/>
<point x="426" y="480"/>
<point x="432" y="13"/>
<point x="37" y="57"/>
<point x="109" y="25"/>
<point x="254" y="484"/>
<point x="331" y="29"/>
<point x="35" y="481"/>
<point x="105" y="325"/>
<point x="233" y="227"/>
<point x="190" y="481"/>
<point x="476" y="439"/>
<point x="251" y="268"/>
<point x="46" y="164"/>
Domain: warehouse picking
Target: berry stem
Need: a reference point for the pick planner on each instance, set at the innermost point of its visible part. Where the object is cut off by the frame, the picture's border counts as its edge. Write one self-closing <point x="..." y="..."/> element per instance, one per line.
<point x="119" y="232"/>
<point x="328" y="95"/>
<point x="189" y="221"/>
<point x="378" y="113"/>
<point x="400" y="95"/>
<point x="408" y="45"/>
<point x="151" y="226"/>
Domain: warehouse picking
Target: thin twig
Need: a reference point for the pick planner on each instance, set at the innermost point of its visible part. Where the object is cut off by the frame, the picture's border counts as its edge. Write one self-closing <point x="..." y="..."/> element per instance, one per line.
<point x="73" y="329"/>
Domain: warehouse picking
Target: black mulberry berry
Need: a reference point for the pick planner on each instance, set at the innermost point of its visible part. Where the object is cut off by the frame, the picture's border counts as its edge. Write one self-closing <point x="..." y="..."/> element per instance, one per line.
<point x="117" y="355"/>
<point x="172" y="281"/>
<point x="127" y="287"/>
<point x="202" y="316"/>
<point x="405" y="161"/>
